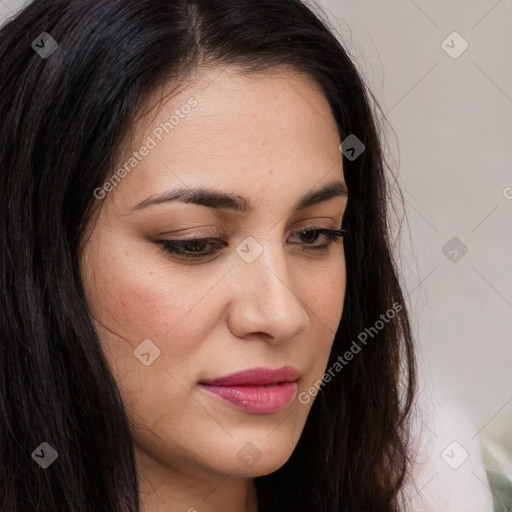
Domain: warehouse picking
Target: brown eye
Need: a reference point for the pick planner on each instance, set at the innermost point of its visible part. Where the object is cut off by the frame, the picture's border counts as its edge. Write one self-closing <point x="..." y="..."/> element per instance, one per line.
<point x="332" y="235"/>
<point x="192" y="248"/>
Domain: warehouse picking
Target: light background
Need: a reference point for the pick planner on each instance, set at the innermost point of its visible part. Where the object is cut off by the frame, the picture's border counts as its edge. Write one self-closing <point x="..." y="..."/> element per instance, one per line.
<point x="451" y="147"/>
<point x="453" y="152"/>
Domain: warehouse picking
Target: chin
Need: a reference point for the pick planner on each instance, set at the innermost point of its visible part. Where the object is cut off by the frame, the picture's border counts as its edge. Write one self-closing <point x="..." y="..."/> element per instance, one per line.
<point x="255" y="459"/>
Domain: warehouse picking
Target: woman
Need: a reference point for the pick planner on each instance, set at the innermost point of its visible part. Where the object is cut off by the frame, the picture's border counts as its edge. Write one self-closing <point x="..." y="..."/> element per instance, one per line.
<point x="200" y="309"/>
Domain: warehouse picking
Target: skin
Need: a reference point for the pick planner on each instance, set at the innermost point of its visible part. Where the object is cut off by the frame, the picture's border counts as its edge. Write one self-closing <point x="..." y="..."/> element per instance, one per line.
<point x="271" y="138"/>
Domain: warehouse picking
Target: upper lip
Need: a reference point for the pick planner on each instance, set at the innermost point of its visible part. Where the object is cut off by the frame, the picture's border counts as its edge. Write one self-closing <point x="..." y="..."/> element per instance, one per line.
<point x="256" y="377"/>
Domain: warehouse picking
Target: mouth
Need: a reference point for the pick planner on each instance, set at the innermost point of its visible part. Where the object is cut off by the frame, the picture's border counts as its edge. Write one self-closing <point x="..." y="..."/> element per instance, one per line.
<point x="257" y="391"/>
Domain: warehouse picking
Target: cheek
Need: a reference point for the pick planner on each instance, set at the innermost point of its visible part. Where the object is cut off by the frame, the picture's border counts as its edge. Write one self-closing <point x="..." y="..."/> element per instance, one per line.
<point x="132" y="305"/>
<point x="325" y="296"/>
<point x="133" y="299"/>
<point x="137" y="299"/>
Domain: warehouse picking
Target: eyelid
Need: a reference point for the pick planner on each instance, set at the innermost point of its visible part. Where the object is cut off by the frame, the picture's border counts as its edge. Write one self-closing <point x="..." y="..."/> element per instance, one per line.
<point x="221" y="233"/>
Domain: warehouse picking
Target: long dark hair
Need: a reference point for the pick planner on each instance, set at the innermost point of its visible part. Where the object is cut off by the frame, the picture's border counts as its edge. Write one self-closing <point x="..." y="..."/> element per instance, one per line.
<point x="64" y="116"/>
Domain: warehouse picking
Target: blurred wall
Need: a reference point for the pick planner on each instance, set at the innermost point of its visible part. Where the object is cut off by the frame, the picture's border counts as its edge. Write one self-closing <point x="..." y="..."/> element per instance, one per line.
<point x="448" y="98"/>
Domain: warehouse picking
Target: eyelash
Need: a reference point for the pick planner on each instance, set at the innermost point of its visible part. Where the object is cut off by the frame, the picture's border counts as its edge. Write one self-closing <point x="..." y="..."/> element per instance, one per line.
<point x="176" y="246"/>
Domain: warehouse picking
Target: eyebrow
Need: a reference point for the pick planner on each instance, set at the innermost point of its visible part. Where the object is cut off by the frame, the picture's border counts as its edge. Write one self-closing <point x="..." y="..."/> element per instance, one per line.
<point x="215" y="199"/>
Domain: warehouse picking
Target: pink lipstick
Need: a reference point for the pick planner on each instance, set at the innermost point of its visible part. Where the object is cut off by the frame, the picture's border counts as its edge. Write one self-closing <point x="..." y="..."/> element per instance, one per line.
<point x="258" y="390"/>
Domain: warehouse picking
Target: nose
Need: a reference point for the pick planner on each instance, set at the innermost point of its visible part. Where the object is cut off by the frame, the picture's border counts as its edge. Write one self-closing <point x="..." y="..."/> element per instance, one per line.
<point x="265" y="302"/>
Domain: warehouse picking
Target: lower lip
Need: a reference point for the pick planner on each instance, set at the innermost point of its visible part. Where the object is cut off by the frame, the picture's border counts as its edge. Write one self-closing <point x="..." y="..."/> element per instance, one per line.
<point x="256" y="399"/>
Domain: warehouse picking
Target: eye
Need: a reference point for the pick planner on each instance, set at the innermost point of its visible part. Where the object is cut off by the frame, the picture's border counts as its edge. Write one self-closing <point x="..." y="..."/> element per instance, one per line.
<point x="193" y="247"/>
<point x="332" y="235"/>
<point x="198" y="247"/>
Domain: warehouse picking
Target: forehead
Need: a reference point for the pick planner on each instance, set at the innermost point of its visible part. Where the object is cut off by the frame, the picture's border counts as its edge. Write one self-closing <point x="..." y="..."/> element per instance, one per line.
<point x="224" y="127"/>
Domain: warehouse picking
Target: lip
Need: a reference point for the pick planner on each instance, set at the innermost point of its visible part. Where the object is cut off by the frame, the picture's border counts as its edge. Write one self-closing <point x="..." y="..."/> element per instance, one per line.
<point x="257" y="390"/>
<point x="256" y="377"/>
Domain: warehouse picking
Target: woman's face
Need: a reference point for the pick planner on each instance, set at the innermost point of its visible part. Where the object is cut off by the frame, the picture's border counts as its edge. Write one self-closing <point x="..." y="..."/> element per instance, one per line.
<point x="261" y="296"/>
